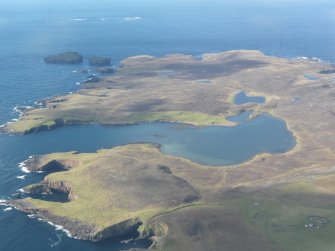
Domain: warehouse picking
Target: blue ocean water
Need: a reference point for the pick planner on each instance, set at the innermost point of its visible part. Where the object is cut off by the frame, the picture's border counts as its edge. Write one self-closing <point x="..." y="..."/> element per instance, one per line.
<point x="33" y="29"/>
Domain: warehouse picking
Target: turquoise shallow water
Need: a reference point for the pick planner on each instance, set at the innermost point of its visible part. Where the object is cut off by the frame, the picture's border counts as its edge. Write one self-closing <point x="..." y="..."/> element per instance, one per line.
<point x="31" y="30"/>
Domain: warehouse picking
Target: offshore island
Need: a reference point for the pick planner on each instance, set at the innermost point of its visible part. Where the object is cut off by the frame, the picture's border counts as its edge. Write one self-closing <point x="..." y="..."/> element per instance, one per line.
<point x="274" y="201"/>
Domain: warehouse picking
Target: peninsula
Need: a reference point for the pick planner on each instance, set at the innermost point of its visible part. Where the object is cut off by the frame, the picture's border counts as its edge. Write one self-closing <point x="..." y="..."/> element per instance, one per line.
<point x="274" y="201"/>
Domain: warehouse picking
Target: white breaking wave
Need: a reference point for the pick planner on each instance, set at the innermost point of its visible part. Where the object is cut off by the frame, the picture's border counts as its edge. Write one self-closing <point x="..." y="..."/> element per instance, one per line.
<point x="3" y="202"/>
<point x="38" y="103"/>
<point x="23" y="166"/>
<point x="58" y="227"/>
<point x="21" y="190"/>
<point x="314" y="59"/>
<point x="21" y="107"/>
<point x="132" y="18"/>
<point x="21" y="177"/>
<point x="7" y="209"/>
<point x="16" y="109"/>
<point x="78" y="19"/>
<point x="31" y="216"/>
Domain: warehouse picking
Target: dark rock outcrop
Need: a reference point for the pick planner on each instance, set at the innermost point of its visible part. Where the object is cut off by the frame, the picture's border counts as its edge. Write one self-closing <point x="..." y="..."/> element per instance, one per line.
<point x="105" y="70"/>
<point x="121" y="229"/>
<point x="92" y="79"/>
<point x="37" y="189"/>
<point x="59" y="191"/>
<point x="61" y="187"/>
<point x="78" y="229"/>
<point x="329" y="71"/>
<point x="99" y="61"/>
<point x="35" y="163"/>
<point x="64" y="58"/>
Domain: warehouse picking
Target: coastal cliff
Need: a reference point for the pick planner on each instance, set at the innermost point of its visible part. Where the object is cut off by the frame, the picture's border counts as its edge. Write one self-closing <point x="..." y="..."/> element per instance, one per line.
<point x="106" y="196"/>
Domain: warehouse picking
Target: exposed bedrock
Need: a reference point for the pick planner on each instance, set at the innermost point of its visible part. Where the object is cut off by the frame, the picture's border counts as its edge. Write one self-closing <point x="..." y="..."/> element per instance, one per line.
<point x="79" y="229"/>
<point x="47" y="187"/>
<point x="99" y="61"/>
<point x="105" y="70"/>
<point x="38" y="163"/>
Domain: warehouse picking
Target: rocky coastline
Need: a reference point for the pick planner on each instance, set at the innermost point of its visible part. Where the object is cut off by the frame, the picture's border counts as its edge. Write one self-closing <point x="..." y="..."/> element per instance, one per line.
<point x="99" y="61"/>
<point x="77" y="229"/>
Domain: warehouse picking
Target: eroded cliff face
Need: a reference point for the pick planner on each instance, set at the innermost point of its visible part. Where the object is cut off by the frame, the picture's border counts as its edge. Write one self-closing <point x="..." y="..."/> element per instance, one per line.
<point x="60" y="187"/>
<point x="78" y="229"/>
<point x="40" y="163"/>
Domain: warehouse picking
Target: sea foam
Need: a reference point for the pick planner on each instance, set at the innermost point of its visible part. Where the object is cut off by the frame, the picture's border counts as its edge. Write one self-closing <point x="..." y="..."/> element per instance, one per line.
<point x="21" y="108"/>
<point x="3" y="202"/>
<point x="58" y="227"/>
<point x="55" y="243"/>
<point x="23" y="166"/>
<point x="313" y="59"/>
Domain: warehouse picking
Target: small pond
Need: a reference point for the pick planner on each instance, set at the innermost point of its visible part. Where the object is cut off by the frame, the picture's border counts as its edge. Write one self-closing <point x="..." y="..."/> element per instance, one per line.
<point x="243" y="98"/>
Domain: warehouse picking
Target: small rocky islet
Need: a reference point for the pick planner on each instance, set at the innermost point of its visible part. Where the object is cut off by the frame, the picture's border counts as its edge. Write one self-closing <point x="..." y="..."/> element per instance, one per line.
<point x="64" y="58"/>
<point x="102" y="63"/>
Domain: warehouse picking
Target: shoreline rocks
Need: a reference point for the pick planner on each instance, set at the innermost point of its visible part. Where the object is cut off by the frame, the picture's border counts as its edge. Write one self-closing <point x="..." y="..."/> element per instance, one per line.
<point x="77" y="229"/>
<point x="91" y="79"/>
<point x="105" y="70"/>
<point x="99" y="61"/>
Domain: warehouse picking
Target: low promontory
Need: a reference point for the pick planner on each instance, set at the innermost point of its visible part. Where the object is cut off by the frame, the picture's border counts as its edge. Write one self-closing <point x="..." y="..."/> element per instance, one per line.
<point x="109" y="193"/>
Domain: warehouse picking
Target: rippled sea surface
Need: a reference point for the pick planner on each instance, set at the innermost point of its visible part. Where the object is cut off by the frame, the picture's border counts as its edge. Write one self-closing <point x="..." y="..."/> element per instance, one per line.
<point x="31" y="30"/>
